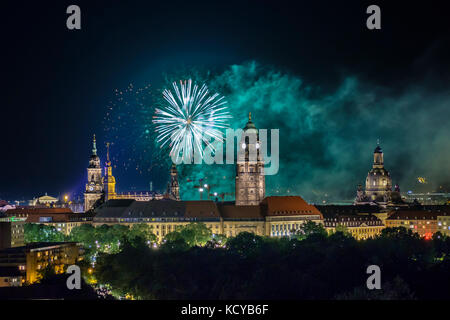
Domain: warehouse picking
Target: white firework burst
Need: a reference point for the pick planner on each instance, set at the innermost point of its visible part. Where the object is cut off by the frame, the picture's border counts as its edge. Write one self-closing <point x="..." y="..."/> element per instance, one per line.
<point x="190" y="117"/>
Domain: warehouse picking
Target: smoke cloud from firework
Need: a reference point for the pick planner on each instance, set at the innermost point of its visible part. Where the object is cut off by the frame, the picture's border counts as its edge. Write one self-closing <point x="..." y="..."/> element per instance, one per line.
<point x="327" y="137"/>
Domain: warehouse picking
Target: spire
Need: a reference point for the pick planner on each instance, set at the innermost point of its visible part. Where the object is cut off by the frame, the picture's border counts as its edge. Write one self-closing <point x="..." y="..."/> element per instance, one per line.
<point x="378" y="148"/>
<point x="250" y="124"/>
<point x="107" y="154"/>
<point x="94" y="147"/>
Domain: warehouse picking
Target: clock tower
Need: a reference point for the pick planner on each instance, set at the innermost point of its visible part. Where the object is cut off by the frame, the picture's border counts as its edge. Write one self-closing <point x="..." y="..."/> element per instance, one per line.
<point x="250" y="179"/>
<point x="94" y="185"/>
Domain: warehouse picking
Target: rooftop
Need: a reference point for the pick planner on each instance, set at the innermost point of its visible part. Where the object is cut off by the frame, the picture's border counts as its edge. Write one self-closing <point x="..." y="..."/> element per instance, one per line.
<point x="271" y="206"/>
<point x="288" y="206"/>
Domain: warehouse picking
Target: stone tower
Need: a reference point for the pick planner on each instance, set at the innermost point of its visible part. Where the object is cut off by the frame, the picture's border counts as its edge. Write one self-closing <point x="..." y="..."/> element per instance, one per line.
<point x="250" y="180"/>
<point x="94" y="186"/>
<point x="109" y="182"/>
<point x="378" y="181"/>
<point x="173" y="187"/>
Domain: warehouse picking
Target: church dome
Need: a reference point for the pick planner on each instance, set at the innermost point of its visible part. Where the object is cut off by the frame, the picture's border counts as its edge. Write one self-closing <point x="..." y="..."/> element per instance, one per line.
<point x="378" y="181"/>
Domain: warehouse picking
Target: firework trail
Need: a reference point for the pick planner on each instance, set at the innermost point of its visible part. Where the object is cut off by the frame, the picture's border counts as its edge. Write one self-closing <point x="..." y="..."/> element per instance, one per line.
<point x="127" y="126"/>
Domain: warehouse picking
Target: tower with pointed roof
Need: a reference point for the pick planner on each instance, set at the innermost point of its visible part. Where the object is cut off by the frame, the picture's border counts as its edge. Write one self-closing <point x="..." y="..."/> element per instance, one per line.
<point x="378" y="181"/>
<point x="94" y="185"/>
<point x="173" y="187"/>
<point x="250" y="182"/>
<point x="109" y="182"/>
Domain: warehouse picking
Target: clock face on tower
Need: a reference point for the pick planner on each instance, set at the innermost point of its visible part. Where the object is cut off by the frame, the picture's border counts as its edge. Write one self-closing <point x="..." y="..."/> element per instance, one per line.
<point x="91" y="188"/>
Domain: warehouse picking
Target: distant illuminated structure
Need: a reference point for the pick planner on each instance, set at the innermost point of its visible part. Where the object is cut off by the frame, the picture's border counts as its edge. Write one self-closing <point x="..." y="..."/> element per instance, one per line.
<point x="44" y="200"/>
<point x="378" y="184"/>
<point x="250" y="180"/>
<point x="173" y="187"/>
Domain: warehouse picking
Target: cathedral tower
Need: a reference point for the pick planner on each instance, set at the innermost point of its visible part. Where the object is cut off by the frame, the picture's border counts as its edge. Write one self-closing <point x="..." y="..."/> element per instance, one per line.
<point x="250" y="180"/>
<point x="94" y="186"/>
<point x="109" y="182"/>
<point x="173" y="187"/>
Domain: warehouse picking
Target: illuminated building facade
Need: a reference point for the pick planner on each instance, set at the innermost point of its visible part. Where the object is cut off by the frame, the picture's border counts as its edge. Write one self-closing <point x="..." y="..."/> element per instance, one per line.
<point x="94" y="185"/>
<point x="443" y="223"/>
<point x="275" y="216"/>
<point x="284" y="215"/>
<point x="360" y="227"/>
<point x="34" y="257"/>
<point x="378" y="188"/>
<point x="250" y="179"/>
<point x="173" y="187"/>
<point x="422" y="222"/>
<point x="362" y="221"/>
<point x="45" y="200"/>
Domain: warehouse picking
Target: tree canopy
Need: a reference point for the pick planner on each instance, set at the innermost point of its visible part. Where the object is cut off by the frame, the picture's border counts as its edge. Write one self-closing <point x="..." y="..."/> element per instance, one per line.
<point x="254" y="267"/>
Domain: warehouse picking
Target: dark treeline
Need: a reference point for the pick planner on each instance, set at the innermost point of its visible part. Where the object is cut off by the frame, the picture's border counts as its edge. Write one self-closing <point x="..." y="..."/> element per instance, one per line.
<point x="310" y="266"/>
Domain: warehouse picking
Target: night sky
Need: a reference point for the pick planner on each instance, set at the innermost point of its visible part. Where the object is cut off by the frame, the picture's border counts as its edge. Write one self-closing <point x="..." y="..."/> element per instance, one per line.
<point x="391" y="84"/>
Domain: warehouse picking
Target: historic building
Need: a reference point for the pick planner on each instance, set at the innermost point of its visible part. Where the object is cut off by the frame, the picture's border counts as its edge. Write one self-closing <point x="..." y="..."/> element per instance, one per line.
<point x="104" y="186"/>
<point x="274" y="216"/>
<point x="250" y="179"/>
<point x="360" y="227"/>
<point x="284" y="215"/>
<point x="424" y="220"/>
<point x="44" y="200"/>
<point x="443" y="222"/>
<point x="173" y="187"/>
<point x="63" y="219"/>
<point x="361" y="221"/>
<point x="94" y="185"/>
<point x="378" y="188"/>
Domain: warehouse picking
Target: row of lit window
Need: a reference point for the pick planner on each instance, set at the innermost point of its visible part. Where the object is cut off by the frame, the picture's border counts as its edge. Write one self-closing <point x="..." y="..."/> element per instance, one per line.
<point x="284" y="227"/>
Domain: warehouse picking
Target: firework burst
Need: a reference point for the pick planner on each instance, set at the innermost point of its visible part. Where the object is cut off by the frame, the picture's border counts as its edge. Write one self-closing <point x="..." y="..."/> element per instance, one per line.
<point x="190" y="117"/>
